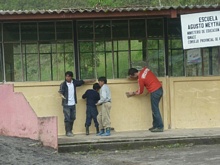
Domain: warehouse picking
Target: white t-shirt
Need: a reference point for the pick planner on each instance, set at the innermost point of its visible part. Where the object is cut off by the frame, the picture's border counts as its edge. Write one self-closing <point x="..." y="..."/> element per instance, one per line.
<point x="71" y="98"/>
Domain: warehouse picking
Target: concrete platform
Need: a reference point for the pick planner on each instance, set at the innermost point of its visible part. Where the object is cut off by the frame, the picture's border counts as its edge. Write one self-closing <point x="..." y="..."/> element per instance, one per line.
<point x="138" y="139"/>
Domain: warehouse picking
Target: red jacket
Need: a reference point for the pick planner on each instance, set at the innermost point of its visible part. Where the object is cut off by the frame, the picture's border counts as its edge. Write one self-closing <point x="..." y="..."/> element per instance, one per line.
<point x="147" y="79"/>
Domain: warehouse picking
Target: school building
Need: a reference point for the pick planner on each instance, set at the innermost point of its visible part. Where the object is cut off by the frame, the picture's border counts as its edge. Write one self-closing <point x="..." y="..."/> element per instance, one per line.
<point x="37" y="47"/>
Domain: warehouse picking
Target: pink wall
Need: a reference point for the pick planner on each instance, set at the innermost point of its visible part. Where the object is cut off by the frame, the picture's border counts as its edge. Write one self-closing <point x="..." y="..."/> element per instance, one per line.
<point x="18" y="119"/>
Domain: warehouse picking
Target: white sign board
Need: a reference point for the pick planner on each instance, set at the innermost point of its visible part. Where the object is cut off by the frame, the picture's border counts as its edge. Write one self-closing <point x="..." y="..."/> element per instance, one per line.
<point x="201" y="30"/>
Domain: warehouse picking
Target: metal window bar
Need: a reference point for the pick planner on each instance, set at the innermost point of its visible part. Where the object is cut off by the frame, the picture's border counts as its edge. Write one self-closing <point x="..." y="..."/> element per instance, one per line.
<point x="210" y="62"/>
<point x="51" y="62"/>
<point x="3" y="57"/>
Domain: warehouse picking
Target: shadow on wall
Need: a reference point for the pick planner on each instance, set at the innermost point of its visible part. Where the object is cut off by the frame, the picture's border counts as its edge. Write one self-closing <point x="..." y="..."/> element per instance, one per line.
<point x="18" y="119"/>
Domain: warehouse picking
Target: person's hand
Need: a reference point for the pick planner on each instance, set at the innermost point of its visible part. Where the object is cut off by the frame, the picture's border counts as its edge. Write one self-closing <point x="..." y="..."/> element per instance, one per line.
<point x="63" y="97"/>
<point x="129" y="94"/>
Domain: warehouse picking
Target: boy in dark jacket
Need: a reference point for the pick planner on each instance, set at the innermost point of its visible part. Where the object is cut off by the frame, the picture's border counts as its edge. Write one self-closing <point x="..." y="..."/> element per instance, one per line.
<point x="69" y="100"/>
<point x="92" y="97"/>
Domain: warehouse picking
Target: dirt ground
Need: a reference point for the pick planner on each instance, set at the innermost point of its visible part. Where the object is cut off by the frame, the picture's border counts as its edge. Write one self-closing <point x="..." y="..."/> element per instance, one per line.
<point x="17" y="151"/>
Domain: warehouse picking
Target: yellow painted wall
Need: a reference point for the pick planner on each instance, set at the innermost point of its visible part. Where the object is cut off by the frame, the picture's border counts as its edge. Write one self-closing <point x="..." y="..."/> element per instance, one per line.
<point x="195" y="102"/>
<point x="186" y="103"/>
<point x="126" y="114"/>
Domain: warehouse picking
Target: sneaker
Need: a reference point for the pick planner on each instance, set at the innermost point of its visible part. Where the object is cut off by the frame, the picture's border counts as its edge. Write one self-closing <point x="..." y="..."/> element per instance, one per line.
<point x="69" y="134"/>
<point x="157" y="130"/>
<point x="151" y="128"/>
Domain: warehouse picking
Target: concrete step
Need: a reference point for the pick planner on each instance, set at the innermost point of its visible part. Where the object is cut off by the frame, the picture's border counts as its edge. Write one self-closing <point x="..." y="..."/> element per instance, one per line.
<point x="138" y="140"/>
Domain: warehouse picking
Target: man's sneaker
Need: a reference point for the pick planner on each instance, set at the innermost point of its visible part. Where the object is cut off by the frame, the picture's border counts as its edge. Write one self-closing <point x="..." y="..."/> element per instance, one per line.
<point x="157" y="130"/>
<point x="151" y="128"/>
<point x="69" y="134"/>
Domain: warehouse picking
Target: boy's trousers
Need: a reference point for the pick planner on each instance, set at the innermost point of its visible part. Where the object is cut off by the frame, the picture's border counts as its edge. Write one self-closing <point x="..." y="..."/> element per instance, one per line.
<point x="104" y="116"/>
<point x="91" y="113"/>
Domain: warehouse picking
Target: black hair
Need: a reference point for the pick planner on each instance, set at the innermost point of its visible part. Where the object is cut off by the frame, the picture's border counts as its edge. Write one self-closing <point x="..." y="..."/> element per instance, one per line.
<point x="96" y="86"/>
<point x="103" y="79"/>
<point x="69" y="73"/>
<point x="132" y="71"/>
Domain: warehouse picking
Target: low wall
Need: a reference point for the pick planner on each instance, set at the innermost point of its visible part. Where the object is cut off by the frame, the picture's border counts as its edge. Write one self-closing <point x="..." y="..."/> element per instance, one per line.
<point x="195" y="102"/>
<point x="18" y="119"/>
<point x="186" y="103"/>
<point x="127" y="114"/>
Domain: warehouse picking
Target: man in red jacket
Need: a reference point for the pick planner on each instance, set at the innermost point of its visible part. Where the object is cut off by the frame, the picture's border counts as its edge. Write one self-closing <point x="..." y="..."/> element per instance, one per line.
<point x="147" y="79"/>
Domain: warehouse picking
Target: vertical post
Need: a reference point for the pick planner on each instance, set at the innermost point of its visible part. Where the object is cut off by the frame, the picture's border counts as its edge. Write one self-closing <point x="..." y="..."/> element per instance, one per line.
<point x="3" y="56"/>
<point x="166" y="46"/>
<point x="210" y="62"/>
<point x="113" y="61"/>
<point x="76" y="50"/>
<point x="94" y="52"/>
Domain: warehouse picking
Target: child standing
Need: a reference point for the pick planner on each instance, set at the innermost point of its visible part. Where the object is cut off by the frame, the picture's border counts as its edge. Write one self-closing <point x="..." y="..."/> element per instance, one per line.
<point x="105" y="102"/>
<point x="92" y="97"/>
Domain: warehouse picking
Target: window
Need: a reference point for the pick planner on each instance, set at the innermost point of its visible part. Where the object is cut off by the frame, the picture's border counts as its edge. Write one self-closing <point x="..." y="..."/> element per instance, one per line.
<point x="104" y="60"/>
<point x="120" y="29"/>
<point x="176" y="57"/>
<point x="46" y="31"/>
<point x="85" y="30"/>
<point x="113" y="46"/>
<point x="62" y="60"/>
<point x="121" y="58"/>
<point x="176" y="53"/>
<point x="102" y="30"/>
<point x="137" y="29"/>
<point x="29" y="31"/>
<point x="155" y="56"/>
<point x="31" y="62"/>
<point x="206" y="63"/>
<point x="87" y="67"/>
<point x="155" y="46"/>
<point x="64" y="30"/>
<point x="11" y="32"/>
<point x="44" y="53"/>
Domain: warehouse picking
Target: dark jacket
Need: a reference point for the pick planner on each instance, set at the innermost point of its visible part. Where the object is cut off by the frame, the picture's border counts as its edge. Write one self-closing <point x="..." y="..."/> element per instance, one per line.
<point x="92" y="97"/>
<point x="64" y="90"/>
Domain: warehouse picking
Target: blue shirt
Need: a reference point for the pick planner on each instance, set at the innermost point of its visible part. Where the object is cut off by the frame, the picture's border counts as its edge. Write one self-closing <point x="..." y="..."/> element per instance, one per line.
<point x="91" y="96"/>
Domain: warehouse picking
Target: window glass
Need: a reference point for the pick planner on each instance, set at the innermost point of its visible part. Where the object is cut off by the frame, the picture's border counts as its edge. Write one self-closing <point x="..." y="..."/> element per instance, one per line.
<point x="174" y="28"/>
<point x="85" y="30"/>
<point x="120" y="29"/>
<point x="46" y="31"/>
<point x="102" y="30"/>
<point x="104" y="63"/>
<point x="205" y="62"/>
<point x="155" y="56"/>
<point x="176" y="58"/>
<point x="11" y="32"/>
<point x="29" y="31"/>
<point x="138" y="53"/>
<point x="13" y="62"/>
<point x="121" y="60"/>
<point x="45" y="61"/>
<point x="31" y="62"/>
<point x="87" y="63"/>
<point x="155" y="28"/>
<point x="64" y="30"/>
<point x="176" y="63"/>
<point x="137" y="29"/>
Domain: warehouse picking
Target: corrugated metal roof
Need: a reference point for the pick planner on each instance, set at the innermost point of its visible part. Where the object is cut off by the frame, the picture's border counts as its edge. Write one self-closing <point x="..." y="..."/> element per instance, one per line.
<point x="105" y="9"/>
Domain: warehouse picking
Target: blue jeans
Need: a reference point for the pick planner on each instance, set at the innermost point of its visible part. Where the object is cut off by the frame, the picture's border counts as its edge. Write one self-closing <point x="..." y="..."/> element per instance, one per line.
<point x="69" y="117"/>
<point x="91" y="113"/>
<point x="155" y="99"/>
